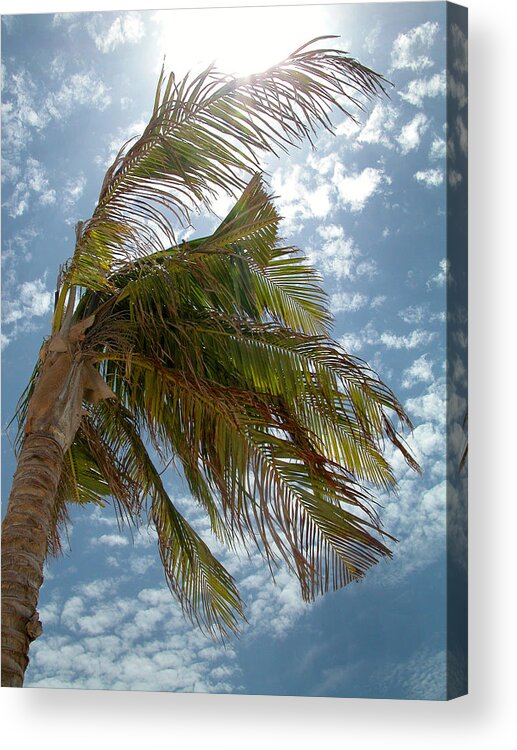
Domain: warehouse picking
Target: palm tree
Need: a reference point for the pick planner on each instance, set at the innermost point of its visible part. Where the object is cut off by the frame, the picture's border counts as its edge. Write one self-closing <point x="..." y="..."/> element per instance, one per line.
<point x="215" y="353"/>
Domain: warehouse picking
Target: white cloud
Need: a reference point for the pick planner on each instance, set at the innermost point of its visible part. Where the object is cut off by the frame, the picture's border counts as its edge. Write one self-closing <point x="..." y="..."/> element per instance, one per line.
<point x="376" y="129"/>
<point x="48" y="197"/>
<point x="115" y="141"/>
<point x="369" y="335"/>
<point x="30" y="299"/>
<point x="34" y="296"/>
<point x="357" y="188"/>
<point x="421" y="371"/>
<point x="303" y="194"/>
<point x="146" y="536"/>
<point x="411" y="50"/>
<point x="131" y="644"/>
<point x="437" y="150"/>
<point x="33" y="184"/>
<point x="128" y="28"/>
<point x="381" y="122"/>
<point x="20" y="110"/>
<point x="372" y="39"/>
<point x="430" y="177"/>
<point x="27" y="110"/>
<point x="423" y="88"/>
<point x="429" y="406"/>
<point x="411" y="134"/>
<point x="367" y="268"/>
<point x="97" y="516"/>
<point x="323" y="165"/>
<point x="140" y="565"/>
<point x="408" y="341"/>
<point x="417" y="515"/>
<point x="338" y="255"/>
<point x="84" y="89"/>
<point x="60" y="19"/>
<point x="273" y="606"/>
<point x="348" y="128"/>
<point x="111" y="540"/>
<point x="29" y="107"/>
<point x="57" y="66"/>
<point x="439" y="278"/>
<point x="347" y="302"/>
<point x="351" y="342"/>
<point x="413" y="314"/>
<point x="15" y="250"/>
<point x="96" y="589"/>
<point x="73" y="190"/>
<point x="221" y="205"/>
<point x="378" y="301"/>
<point x="316" y="189"/>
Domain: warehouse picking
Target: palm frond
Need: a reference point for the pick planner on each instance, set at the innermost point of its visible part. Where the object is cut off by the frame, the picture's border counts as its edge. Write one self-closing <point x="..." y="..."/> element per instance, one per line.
<point x="204" y="588"/>
<point x="204" y="136"/>
<point x="272" y="469"/>
<point x="239" y="269"/>
<point x="81" y="483"/>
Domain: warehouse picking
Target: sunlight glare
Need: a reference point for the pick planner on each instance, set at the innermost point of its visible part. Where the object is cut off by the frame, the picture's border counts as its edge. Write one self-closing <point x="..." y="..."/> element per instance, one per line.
<point x="239" y="40"/>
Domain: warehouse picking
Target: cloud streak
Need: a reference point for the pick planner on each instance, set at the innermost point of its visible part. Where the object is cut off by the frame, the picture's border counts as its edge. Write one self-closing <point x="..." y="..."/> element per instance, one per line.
<point x="31" y="299"/>
<point x="429" y="177"/>
<point x="411" y="49"/>
<point x="411" y="134"/>
<point x="124" y="29"/>
<point x="356" y="188"/>
<point x="421" y="88"/>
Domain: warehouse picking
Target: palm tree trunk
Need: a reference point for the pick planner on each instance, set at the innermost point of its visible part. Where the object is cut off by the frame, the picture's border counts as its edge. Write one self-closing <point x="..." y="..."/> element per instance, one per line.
<point x="53" y="417"/>
<point x="25" y="532"/>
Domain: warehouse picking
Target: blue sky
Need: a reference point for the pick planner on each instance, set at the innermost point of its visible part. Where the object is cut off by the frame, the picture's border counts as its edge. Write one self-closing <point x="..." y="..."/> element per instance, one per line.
<point x="368" y="208"/>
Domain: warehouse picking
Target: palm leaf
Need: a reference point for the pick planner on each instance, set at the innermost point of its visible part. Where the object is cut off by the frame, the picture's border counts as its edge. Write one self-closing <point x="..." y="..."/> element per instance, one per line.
<point x="272" y="488"/>
<point x="205" y="590"/>
<point x="238" y="269"/>
<point x="204" y="136"/>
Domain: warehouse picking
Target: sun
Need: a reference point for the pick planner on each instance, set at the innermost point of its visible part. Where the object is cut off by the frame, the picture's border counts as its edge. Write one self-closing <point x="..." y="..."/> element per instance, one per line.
<point x="240" y="41"/>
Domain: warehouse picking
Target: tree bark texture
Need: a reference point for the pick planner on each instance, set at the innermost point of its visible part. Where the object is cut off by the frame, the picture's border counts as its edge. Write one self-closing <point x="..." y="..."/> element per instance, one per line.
<point x="54" y="414"/>
<point x="53" y="417"/>
<point x="25" y="532"/>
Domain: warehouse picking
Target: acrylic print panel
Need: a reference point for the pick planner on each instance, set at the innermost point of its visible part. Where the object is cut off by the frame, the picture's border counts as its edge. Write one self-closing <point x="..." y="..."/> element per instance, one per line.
<point x="210" y="348"/>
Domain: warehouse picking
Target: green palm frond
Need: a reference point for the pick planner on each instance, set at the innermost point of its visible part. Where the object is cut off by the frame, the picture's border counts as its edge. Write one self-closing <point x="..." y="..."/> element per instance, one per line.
<point x="333" y="409"/>
<point x="109" y="464"/>
<point x="82" y="482"/>
<point x="239" y="269"/>
<point x="205" y="590"/>
<point x="274" y="485"/>
<point x="205" y="135"/>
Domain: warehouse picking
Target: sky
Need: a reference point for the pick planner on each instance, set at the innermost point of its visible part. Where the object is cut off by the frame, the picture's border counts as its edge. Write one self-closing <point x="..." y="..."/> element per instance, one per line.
<point x="368" y="208"/>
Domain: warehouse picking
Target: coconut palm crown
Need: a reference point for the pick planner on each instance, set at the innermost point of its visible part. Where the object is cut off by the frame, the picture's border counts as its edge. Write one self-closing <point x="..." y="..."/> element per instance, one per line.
<point x="214" y="354"/>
